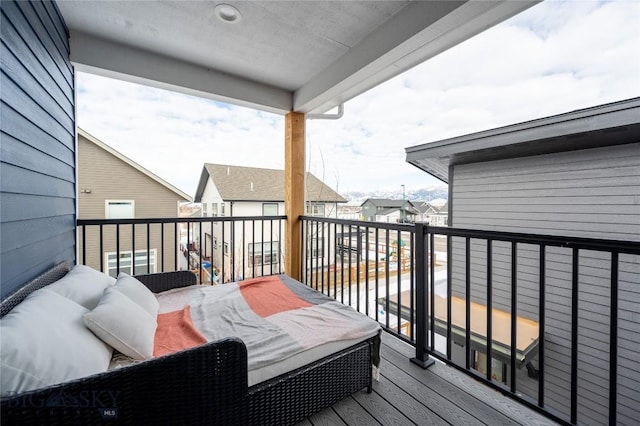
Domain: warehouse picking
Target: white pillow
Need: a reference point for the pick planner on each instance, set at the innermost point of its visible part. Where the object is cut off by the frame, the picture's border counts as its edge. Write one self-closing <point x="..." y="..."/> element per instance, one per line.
<point x="123" y="324"/>
<point x="83" y="285"/>
<point x="138" y="292"/>
<point x="43" y="341"/>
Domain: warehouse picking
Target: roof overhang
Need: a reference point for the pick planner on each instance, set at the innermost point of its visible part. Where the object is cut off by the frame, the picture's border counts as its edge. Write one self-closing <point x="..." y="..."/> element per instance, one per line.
<point x="281" y="56"/>
<point x="610" y="124"/>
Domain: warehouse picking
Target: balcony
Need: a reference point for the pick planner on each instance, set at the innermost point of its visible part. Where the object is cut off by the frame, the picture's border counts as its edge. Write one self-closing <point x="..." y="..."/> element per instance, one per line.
<point x="534" y="290"/>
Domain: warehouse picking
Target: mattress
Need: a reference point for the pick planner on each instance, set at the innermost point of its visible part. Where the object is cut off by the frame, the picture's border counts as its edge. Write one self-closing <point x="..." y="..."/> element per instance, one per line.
<point x="283" y="323"/>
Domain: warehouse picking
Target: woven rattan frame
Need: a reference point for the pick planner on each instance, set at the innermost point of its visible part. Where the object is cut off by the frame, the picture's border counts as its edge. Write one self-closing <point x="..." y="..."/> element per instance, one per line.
<point x="203" y="385"/>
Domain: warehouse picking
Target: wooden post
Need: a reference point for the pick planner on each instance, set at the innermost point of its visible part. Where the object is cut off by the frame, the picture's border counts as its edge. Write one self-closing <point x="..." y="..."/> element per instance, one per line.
<point x="294" y="184"/>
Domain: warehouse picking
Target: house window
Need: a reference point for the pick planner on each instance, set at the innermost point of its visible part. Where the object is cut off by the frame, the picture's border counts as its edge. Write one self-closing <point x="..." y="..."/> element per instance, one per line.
<point x="317" y="248"/>
<point x="226" y="249"/>
<point x="140" y="266"/>
<point x="267" y="253"/>
<point x="269" y="209"/>
<point x="119" y="209"/>
<point x="214" y="209"/>
<point x="221" y="209"/>
<point x="315" y="210"/>
<point x="204" y="209"/>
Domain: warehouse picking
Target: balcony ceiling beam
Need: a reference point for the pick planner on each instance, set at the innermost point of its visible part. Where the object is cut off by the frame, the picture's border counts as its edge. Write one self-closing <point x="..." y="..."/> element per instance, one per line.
<point x="417" y="33"/>
<point x="110" y="59"/>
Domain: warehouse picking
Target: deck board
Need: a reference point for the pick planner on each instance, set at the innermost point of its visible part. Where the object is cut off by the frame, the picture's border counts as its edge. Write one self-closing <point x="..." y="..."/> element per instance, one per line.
<point x="409" y="395"/>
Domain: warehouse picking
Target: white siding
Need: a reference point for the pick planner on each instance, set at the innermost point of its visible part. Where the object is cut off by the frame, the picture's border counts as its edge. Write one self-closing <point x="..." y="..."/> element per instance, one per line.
<point x="591" y="193"/>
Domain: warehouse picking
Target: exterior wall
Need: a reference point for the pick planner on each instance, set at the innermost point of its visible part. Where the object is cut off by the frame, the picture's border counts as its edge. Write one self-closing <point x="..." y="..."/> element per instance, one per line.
<point x="237" y="236"/>
<point x="589" y="193"/>
<point x="37" y="189"/>
<point x="109" y="178"/>
<point x="369" y="210"/>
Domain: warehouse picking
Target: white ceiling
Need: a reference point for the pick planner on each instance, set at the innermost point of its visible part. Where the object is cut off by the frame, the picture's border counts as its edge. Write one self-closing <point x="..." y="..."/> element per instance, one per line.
<point x="306" y="56"/>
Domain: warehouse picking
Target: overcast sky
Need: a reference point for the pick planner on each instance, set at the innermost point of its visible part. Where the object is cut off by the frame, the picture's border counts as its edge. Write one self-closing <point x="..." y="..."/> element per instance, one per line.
<point x="553" y="58"/>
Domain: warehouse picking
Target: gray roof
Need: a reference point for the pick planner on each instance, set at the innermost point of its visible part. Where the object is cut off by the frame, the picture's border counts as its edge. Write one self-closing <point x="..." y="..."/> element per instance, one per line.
<point x="386" y="202"/>
<point x="610" y="124"/>
<point x="237" y="183"/>
<point x="424" y="206"/>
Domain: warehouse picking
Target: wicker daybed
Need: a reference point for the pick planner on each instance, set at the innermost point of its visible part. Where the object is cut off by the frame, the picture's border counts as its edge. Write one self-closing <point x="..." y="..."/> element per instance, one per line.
<point x="206" y="384"/>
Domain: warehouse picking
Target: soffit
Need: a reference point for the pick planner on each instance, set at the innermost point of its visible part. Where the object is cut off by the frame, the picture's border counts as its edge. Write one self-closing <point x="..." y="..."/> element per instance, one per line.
<point x="306" y="56"/>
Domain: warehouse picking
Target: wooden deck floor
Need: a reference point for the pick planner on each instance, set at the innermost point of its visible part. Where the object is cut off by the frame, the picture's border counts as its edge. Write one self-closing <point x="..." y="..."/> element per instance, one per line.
<point x="409" y="395"/>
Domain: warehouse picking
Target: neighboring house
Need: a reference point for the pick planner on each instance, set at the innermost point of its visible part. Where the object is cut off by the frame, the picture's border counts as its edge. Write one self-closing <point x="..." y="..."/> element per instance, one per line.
<point x="232" y="191"/>
<point x="112" y="186"/>
<point x="387" y="210"/>
<point x="349" y="211"/>
<point x="431" y="213"/>
<point x="574" y="174"/>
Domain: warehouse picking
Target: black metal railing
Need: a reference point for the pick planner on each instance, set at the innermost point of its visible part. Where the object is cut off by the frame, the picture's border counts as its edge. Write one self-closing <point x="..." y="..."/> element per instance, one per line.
<point x="362" y="264"/>
<point x="536" y="317"/>
<point x="217" y="249"/>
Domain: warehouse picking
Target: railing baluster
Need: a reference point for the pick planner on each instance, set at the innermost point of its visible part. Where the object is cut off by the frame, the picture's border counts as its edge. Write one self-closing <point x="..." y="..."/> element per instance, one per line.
<point x="574" y="334"/>
<point x="613" y="342"/>
<point x="514" y="312"/>
<point x="467" y="286"/>
<point x="350" y="251"/>
<point x="162" y="247"/>
<point x="358" y="250"/>
<point x="366" y="275"/>
<point x="342" y="264"/>
<point x="117" y="249"/>
<point x="322" y="260"/>
<point x="489" y="309"/>
<point x="541" y="325"/>
<point x="148" y="251"/>
<point x="102" y="249"/>
<point x="449" y="293"/>
<point x="133" y="249"/>
<point x="399" y="279"/>
<point x="335" y="261"/>
<point x="84" y="245"/>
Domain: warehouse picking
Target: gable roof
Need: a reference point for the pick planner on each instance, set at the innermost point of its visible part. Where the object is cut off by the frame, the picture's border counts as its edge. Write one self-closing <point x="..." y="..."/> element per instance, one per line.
<point x="610" y="124"/>
<point x="387" y="202"/>
<point x="238" y="183"/>
<point x="132" y="163"/>
<point x="425" y="206"/>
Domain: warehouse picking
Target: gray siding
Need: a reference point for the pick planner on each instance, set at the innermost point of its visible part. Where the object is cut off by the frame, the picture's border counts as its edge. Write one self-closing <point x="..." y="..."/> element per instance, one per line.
<point x="37" y="132"/>
<point x="591" y="193"/>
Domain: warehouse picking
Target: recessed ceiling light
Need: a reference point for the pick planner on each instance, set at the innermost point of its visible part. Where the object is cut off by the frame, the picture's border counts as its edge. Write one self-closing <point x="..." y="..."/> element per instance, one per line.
<point x="227" y="13"/>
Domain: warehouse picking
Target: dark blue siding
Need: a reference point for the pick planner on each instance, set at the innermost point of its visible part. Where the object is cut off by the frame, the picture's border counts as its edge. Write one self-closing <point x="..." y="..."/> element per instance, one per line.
<point x="37" y="149"/>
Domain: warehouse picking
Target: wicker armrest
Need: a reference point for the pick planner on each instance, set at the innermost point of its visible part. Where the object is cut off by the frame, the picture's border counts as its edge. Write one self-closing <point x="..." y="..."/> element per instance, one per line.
<point x="167" y="280"/>
<point x="205" y="384"/>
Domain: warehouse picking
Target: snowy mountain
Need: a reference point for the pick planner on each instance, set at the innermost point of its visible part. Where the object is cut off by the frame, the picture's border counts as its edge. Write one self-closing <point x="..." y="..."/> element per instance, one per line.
<point x="437" y="193"/>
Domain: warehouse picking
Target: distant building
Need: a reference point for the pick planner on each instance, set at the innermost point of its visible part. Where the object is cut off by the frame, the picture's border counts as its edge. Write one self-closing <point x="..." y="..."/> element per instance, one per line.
<point x="432" y="214"/>
<point x="231" y="191"/>
<point x="388" y="210"/>
<point x="349" y="211"/>
<point x="112" y="186"/>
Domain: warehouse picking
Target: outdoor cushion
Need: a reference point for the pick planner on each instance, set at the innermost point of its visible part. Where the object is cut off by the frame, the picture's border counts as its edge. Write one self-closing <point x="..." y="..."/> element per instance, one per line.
<point x="83" y="285"/>
<point x="43" y="341"/>
<point x="138" y="292"/>
<point x="123" y="324"/>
